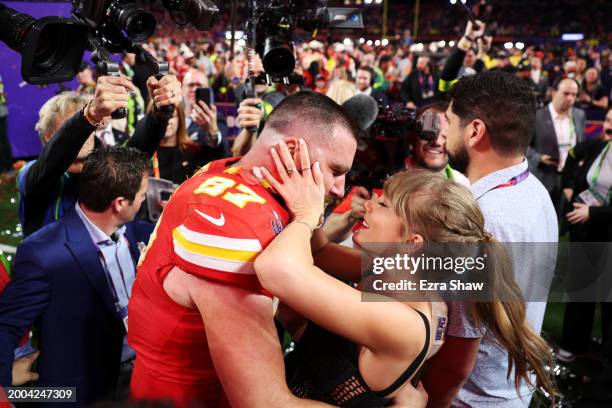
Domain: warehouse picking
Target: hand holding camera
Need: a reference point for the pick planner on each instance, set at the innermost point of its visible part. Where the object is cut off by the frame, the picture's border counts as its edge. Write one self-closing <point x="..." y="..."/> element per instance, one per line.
<point x="250" y="113"/>
<point x="111" y="94"/>
<point x="474" y="30"/>
<point x="165" y="91"/>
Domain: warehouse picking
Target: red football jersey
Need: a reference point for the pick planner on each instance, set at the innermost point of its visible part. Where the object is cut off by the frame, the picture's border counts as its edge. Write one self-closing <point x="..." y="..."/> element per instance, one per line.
<point x="213" y="226"/>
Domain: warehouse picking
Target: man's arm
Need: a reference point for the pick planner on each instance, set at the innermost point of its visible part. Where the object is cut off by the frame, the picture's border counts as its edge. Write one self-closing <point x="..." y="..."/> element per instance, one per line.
<point x="244" y="346"/>
<point x="22" y="301"/>
<point x="57" y="155"/>
<point x="448" y="370"/>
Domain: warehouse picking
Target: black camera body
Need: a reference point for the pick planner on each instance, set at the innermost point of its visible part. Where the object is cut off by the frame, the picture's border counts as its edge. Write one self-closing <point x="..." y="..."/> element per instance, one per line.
<point x="52" y="47"/>
<point x="385" y="148"/>
<point x="271" y="25"/>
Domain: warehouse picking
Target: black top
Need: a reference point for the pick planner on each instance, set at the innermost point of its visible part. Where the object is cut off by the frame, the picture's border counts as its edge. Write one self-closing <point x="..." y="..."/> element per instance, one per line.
<point x="325" y="367"/>
<point x="579" y="160"/>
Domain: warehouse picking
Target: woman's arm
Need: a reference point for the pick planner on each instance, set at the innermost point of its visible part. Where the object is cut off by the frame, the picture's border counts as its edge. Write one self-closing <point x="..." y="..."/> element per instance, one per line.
<point x="332" y="304"/>
<point x="286" y="269"/>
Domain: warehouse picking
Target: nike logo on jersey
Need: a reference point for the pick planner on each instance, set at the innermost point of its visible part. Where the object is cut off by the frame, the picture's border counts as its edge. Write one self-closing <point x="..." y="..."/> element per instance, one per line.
<point x="219" y="222"/>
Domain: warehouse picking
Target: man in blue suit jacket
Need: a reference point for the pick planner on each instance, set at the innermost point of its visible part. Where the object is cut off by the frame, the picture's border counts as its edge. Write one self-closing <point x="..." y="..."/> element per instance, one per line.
<point x="65" y="282"/>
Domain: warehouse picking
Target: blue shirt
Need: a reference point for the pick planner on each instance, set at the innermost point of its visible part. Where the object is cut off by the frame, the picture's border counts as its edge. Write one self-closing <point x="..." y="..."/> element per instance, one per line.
<point x="117" y="260"/>
<point x="524" y="216"/>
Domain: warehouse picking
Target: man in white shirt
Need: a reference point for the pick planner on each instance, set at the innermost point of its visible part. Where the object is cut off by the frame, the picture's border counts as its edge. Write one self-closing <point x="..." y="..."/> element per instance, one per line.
<point x="559" y="126"/>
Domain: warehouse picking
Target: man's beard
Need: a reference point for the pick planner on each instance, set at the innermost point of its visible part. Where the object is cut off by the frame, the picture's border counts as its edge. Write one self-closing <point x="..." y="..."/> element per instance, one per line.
<point x="460" y="159"/>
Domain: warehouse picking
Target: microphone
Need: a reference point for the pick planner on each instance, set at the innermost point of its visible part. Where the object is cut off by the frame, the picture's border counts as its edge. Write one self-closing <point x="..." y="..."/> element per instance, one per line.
<point x="363" y="111"/>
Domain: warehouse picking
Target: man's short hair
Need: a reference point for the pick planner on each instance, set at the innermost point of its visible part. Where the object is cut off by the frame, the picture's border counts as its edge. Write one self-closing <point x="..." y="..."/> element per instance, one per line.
<point x="504" y="102"/>
<point x="310" y="109"/>
<point x="110" y="172"/>
<point x="61" y="105"/>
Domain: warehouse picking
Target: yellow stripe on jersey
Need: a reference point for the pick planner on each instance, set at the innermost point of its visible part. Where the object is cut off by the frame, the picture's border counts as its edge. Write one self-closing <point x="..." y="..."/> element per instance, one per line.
<point x="213" y="251"/>
<point x="231" y="170"/>
<point x="216" y="264"/>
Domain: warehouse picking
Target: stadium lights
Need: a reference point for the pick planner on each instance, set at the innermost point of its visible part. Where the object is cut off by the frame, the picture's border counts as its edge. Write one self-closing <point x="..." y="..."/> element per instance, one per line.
<point x="348" y="42"/>
<point x="370" y="42"/>
<point x="463" y="1"/>
<point x="384" y="42"/>
<point x="453" y="2"/>
<point x="572" y="37"/>
<point x="378" y="1"/>
<point x="241" y="42"/>
<point x="451" y="43"/>
<point x="377" y="43"/>
<point x="441" y="43"/>
<point x="368" y="1"/>
<point x="361" y="40"/>
<point x="508" y="45"/>
<point x="519" y="45"/>
<point x="228" y="35"/>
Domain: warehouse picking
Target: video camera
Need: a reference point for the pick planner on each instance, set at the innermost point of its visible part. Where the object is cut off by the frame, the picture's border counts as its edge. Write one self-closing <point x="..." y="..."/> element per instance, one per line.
<point x="271" y="25"/>
<point x="52" y="47"/>
<point x="385" y="147"/>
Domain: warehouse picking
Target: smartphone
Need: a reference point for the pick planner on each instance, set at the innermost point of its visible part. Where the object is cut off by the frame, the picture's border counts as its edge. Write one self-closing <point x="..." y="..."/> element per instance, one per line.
<point x="165" y="195"/>
<point x="204" y="94"/>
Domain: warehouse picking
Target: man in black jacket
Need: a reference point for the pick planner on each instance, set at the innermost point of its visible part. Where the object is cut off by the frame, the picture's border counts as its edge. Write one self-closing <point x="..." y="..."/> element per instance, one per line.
<point x="48" y="186"/>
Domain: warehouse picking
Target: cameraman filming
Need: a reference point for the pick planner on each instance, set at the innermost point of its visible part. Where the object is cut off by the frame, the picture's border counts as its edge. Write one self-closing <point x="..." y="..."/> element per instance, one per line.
<point x="425" y="154"/>
<point x="48" y="186"/>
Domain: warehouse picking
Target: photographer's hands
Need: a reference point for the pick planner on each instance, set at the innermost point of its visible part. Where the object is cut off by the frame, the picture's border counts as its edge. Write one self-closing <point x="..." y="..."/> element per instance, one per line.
<point x="250" y="113"/>
<point x="165" y="91"/>
<point x="111" y="94"/>
<point x="301" y="188"/>
<point x="472" y="34"/>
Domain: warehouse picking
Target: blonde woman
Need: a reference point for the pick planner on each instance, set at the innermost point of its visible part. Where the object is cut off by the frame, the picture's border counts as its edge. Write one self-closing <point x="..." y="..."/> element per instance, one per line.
<point x="362" y="353"/>
<point x="340" y="90"/>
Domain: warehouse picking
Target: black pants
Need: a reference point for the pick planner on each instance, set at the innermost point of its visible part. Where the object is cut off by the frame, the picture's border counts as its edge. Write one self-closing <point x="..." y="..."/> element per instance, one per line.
<point x="6" y="155"/>
<point x="591" y="260"/>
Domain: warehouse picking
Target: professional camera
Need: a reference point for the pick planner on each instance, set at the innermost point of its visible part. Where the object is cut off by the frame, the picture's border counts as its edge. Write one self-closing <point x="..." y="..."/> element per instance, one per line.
<point x="271" y="25"/>
<point x="52" y="47"/>
<point x="386" y="146"/>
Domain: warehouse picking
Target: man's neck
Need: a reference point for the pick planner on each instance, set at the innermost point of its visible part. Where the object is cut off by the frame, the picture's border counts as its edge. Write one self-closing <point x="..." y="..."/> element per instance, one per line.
<point x="104" y="220"/>
<point x="480" y="168"/>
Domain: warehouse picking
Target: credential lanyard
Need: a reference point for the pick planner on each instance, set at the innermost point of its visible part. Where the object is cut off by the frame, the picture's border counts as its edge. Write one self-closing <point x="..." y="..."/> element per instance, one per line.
<point x="513" y="181"/>
<point x="596" y="176"/>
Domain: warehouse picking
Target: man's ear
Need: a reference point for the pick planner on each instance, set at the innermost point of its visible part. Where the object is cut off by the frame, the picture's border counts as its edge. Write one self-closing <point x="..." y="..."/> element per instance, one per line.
<point x="292" y="144"/>
<point x="118" y="204"/>
<point x="477" y="131"/>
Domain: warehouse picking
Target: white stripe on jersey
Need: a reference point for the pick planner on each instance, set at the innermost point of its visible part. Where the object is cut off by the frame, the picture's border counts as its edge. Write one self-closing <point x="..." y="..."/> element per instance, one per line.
<point x="236" y="244"/>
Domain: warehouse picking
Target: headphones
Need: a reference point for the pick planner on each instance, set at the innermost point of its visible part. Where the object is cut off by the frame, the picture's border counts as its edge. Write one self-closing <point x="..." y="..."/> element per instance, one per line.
<point x="372" y="74"/>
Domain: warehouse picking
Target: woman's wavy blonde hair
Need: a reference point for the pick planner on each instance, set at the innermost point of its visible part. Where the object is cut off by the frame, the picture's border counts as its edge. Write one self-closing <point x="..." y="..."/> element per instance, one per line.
<point x="443" y="211"/>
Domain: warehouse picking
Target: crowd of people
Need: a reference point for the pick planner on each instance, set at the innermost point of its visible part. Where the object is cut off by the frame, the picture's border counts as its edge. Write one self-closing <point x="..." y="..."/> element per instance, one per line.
<point x="262" y="235"/>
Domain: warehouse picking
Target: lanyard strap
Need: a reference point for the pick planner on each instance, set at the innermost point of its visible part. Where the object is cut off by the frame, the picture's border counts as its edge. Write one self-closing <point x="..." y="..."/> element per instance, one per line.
<point x="109" y="277"/>
<point x="513" y="181"/>
<point x="597" y="172"/>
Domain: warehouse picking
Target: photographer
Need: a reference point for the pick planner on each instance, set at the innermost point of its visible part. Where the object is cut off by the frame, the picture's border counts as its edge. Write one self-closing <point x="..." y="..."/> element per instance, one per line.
<point x="48" y="186"/>
<point x="463" y="61"/>
<point x="425" y="154"/>
<point x="253" y="111"/>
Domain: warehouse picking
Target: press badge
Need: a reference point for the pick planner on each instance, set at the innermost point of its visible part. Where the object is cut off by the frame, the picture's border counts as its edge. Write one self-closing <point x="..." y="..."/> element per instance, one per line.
<point x="123" y="314"/>
<point x="589" y="198"/>
<point x="440" y="330"/>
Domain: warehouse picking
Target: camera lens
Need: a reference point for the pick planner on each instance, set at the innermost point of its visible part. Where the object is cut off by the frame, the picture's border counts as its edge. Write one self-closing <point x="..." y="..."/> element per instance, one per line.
<point x="136" y="23"/>
<point x="278" y="60"/>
